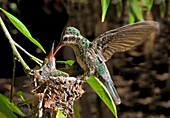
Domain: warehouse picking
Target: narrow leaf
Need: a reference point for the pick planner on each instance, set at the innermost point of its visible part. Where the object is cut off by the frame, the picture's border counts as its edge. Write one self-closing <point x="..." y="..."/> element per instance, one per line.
<point x="7" y="108"/>
<point x="131" y="17"/>
<point x="135" y="9"/>
<point x="60" y="114"/>
<point x="22" y="28"/>
<point x="21" y="95"/>
<point x="62" y="62"/>
<point x="18" y="24"/>
<point x="105" y="5"/>
<point x="147" y="4"/>
<point x="162" y="8"/>
<point x="130" y="14"/>
<point x="70" y="62"/>
<point x="68" y="116"/>
<point x="103" y="93"/>
<point x="76" y="111"/>
<point x="2" y="115"/>
<point x="119" y="8"/>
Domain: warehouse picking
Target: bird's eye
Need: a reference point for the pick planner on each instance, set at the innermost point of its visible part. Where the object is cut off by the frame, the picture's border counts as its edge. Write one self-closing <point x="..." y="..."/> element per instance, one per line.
<point x="65" y="39"/>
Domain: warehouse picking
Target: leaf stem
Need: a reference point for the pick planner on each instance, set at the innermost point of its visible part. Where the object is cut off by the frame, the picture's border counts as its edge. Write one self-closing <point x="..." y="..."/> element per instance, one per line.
<point x="30" y="55"/>
<point x="15" y="51"/>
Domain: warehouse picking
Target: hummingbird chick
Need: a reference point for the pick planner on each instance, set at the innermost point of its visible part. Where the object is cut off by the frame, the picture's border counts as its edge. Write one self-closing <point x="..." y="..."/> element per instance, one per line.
<point x="54" y="89"/>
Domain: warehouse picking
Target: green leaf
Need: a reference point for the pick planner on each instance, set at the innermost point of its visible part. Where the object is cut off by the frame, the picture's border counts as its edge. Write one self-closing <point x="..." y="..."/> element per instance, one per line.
<point x="131" y="17"/>
<point x="22" y="28"/>
<point x="130" y="14"/>
<point x="2" y="115"/>
<point x="133" y="4"/>
<point x="105" y="5"/>
<point x="119" y="8"/>
<point x="76" y="111"/>
<point x="68" y="116"/>
<point x="25" y="101"/>
<point x="21" y="95"/>
<point x="7" y="108"/>
<point x="60" y="114"/>
<point x="147" y="4"/>
<point x="162" y="8"/>
<point x="103" y="93"/>
<point x="68" y="62"/>
<point x="62" y="62"/>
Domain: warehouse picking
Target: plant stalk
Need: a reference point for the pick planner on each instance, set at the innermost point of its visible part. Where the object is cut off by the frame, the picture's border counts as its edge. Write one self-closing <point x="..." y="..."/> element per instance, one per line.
<point x="30" y="55"/>
<point x="14" y="49"/>
<point x="13" y="78"/>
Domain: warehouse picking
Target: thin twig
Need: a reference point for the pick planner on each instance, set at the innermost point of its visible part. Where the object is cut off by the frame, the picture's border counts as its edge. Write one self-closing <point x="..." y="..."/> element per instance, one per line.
<point x="30" y="55"/>
<point x="13" y="77"/>
<point x="15" y="51"/>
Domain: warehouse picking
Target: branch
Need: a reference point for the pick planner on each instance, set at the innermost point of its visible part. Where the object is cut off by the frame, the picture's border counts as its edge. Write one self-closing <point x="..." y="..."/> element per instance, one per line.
<point x="15" y="51"/>
<point x="30" y="55"/>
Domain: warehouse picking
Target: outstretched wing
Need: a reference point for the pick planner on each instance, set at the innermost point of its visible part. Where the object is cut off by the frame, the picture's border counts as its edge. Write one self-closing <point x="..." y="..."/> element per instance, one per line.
<point x="123" y="38"/>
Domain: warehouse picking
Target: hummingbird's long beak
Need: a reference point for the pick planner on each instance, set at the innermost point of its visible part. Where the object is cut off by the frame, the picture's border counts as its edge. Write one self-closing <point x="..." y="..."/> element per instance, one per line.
<point x="51" y="55"/>
<point x="59" y="45"/>
<point x="57" y="48"/>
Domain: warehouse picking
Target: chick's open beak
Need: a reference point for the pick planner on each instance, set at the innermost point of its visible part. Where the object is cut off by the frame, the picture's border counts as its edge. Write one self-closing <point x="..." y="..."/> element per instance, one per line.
<point x="51" y="55"/>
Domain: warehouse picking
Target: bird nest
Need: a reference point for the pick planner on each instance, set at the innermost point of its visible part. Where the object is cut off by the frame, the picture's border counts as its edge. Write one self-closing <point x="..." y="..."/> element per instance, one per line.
<point x="53" y="92"/>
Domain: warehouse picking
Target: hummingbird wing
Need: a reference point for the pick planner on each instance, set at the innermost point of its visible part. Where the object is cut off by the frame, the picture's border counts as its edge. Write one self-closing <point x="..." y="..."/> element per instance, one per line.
<point x="123" y="38"/>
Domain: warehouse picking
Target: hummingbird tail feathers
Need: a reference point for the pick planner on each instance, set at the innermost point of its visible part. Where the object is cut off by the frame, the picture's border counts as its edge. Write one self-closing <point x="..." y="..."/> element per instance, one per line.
<point x="113" y="92"/>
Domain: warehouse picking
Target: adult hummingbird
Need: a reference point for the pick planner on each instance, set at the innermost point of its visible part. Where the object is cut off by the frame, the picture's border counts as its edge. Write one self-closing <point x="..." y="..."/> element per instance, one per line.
<point x="92" y="56"/>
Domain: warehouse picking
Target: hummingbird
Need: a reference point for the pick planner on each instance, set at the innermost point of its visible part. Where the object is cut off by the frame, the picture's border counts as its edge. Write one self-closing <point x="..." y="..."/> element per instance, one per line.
<point x="92" y="56"/>
<point x="54" y="89"/>
<point x="48" y="69"/>
<point x="50" y="65"/>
